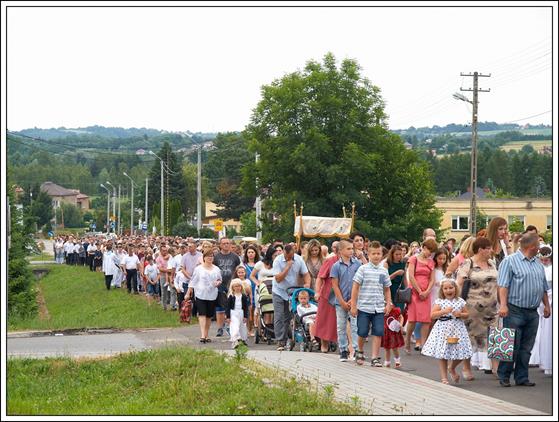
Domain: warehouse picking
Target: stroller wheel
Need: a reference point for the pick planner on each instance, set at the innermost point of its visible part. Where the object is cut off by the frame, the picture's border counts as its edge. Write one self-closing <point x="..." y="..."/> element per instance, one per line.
<point x="256" y="337"/>
<point x="290" y="344"/>
<point x="302" y="347"/>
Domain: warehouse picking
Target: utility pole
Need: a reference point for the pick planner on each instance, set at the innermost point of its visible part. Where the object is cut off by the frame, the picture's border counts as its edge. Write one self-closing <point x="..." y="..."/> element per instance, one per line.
<point x="199" y="192"/>
<point x="118" y="218"/>
<point x="258" y="208"/>
<point x="162" y="203"/>
<point x="146" y="206"/>
<point x="473" y="167"/>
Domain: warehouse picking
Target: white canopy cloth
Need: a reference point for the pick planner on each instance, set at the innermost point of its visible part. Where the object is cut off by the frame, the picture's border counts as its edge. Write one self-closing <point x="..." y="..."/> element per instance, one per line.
<point x="322" y="226"/>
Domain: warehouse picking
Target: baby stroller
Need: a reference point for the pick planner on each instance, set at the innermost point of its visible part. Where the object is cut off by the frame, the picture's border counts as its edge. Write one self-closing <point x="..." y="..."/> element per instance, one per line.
<point x="300" y="334"/>
<point x="264" y="307"/>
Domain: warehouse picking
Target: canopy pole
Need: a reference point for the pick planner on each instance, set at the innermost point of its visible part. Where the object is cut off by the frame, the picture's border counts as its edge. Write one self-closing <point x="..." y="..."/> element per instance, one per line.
<point x="352" y="216"/>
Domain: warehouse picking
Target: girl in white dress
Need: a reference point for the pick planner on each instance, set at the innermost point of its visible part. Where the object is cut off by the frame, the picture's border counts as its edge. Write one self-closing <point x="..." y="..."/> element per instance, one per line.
<point x="449" y="338"/>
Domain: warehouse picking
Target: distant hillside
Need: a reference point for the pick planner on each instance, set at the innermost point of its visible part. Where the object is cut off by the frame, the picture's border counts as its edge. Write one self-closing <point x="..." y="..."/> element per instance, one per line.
<point x="484" y="129"/>
<point x="108" y="133"/>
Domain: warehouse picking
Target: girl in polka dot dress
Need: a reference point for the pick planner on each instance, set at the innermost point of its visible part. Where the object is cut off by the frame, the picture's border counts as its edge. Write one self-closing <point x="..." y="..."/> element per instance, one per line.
<point x="449" y="338"/>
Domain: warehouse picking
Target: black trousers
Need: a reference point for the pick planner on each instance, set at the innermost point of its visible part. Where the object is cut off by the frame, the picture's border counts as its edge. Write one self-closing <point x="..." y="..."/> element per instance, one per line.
<point x="132" y="280"/>
<point x="90" y="262"/>
<point x="108" y="281"/>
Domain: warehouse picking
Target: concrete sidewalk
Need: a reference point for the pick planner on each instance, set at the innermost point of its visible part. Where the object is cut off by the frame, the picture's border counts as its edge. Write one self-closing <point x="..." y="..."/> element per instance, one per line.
<point x="385" y="391"/>
<point x="379" y="391"/>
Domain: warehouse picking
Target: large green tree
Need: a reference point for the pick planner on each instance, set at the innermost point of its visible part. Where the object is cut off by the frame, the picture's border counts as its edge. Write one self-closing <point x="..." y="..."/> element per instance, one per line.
<point x="223" y="170"/>
<point x="41" y="208"/>
<point x="322" y="138"/>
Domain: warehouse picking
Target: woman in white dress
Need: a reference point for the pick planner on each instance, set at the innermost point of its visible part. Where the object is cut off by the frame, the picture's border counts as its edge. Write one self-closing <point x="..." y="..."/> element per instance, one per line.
<point x="542" y="353"/>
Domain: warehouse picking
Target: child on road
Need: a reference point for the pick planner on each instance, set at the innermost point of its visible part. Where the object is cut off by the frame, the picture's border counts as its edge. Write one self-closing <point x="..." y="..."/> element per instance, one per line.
<point x="370" y="301"/>
<point x="393" y="338"/>
<point x="305" y="307"/>
<point x="449" y="338"/>
<point x="236" y="313"/>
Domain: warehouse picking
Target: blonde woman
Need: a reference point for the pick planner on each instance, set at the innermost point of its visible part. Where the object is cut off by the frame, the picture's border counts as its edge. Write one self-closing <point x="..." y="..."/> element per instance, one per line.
<point x="466" y="251"/>
<point x="313" y="259"/>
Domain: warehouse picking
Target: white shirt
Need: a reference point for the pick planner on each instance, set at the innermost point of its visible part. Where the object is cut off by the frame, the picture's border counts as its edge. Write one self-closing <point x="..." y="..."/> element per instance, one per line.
<point x="91" y="248"/>
<point x="203" y="282"/>
<point x="130" y="262"/>
<point x="179" y="279"/>
<point x="151" y="271"/>
<point x="109" y="266"/>
<point x="175" y="264"/>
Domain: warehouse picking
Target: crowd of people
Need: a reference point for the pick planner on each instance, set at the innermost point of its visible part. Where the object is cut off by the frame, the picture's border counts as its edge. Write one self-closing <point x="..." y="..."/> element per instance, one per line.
<point x="435" y="298"/>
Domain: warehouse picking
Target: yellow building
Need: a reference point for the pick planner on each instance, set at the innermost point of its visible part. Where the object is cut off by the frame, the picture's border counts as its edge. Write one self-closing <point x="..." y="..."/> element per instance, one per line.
<point x="530" y="211"/>
<point x="210" y="217"/>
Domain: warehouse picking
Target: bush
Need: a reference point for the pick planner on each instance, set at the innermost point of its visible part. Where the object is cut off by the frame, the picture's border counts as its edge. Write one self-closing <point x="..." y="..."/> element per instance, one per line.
<point x="188" y="230"/>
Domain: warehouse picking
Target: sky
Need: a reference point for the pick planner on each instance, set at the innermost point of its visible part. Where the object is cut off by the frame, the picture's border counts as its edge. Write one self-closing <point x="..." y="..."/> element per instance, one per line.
<point x="201" y="69"/>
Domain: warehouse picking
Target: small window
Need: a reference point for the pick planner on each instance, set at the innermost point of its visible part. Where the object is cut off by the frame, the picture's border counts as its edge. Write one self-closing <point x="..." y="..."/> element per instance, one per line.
<point x="549" y="222"/>
<point x="460" y="222"/>
<point x="513" y="218"/>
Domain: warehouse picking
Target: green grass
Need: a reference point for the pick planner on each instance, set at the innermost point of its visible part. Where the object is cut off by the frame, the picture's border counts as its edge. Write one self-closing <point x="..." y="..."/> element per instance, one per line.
<point x="517" y="145"/>
<point x="77" y="298"/>
<point x="41" y="257"/>
<point x="177" y="381"/>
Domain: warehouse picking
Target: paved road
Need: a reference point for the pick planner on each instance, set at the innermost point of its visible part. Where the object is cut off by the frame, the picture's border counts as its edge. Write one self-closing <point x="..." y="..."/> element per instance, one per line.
<point x="419" y="373"/>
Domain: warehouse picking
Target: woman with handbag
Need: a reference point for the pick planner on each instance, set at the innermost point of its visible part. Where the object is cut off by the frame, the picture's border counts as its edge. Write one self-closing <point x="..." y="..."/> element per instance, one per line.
<point x="480" y="273"/>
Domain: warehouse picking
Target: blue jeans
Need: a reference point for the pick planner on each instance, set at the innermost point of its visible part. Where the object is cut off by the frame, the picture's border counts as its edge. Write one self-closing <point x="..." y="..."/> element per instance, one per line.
<point x="525" y="322"/>
<point x="341" y="321"/>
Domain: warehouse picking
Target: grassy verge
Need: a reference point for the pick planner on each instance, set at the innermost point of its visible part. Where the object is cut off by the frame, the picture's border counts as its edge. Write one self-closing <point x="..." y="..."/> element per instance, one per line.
<point x="178" y="381"/>
<point x="41" y="257"/>
<point x="74" y="297"/>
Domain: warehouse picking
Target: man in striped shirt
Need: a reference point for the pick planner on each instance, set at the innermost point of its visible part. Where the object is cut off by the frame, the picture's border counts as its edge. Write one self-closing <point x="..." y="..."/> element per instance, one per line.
<point x="522" y="287"/>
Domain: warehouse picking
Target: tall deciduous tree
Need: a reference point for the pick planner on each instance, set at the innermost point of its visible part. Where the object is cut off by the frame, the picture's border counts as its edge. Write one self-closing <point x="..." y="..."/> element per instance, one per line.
<point x="41" y="208"/>
<point x="322" y="138"/>
<point x="223" y="171"/>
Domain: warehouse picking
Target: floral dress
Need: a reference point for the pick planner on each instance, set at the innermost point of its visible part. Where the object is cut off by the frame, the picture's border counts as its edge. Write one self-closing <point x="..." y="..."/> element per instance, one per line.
<point x="437" y="345"/>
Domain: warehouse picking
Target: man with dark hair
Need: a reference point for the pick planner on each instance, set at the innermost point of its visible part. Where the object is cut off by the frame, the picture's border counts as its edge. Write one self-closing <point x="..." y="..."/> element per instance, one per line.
<point x="287" y="267"/>
<point x="226" y="261"/>
<point x="522" y="287"/>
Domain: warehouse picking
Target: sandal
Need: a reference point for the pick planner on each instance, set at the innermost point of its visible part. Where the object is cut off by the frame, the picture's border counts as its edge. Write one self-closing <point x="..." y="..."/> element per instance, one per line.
<point x="208" y="340"/>
<point x="397" y="363"/>
<point x="376" y="363"/>
<point x="468" y="377"/>
<point x="359" y="358"/>
<point x="455" y="378"/>
<point x="408" y="351"/>
<point x="445" y="381"/>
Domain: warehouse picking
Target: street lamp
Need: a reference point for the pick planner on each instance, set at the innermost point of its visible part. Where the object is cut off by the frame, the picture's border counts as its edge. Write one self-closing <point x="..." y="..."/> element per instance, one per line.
<point x="131" y="205"/>
<point x="108" y="204"/>
<point x="114" y="197"/>
<point x="161" y="162"/>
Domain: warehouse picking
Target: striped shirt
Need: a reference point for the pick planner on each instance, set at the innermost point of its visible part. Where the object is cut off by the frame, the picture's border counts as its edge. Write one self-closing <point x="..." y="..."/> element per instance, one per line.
<point x="372" y="279"/>
<point x="524" y="278"/>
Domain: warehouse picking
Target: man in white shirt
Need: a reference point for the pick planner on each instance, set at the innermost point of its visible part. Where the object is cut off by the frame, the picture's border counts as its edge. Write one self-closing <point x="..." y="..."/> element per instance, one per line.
<point x="91" y="254"/>
<point x="131" y="265"/>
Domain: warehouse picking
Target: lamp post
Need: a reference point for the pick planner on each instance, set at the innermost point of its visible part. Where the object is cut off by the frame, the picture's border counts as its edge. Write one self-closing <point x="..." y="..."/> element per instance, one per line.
<point x="114" y="198"/>
<point x="162" y="213"/>
<point x="108" y="203"/>
<point x="131" y="204"/>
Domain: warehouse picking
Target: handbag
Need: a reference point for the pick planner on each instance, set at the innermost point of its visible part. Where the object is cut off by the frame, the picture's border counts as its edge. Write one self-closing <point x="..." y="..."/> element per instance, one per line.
<point x="403" y="295"/>
<point x="500" y="343"/>
<point x="186" y="311"/>
<point x="467" y="282"/>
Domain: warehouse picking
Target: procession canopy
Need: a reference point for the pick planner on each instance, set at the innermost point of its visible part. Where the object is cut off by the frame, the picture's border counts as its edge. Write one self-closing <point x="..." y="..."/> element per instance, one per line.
<point x="309" y="226"/>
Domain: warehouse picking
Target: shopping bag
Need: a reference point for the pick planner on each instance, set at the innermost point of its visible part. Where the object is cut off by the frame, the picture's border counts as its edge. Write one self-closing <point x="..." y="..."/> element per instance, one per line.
<point x="500" y="343"/>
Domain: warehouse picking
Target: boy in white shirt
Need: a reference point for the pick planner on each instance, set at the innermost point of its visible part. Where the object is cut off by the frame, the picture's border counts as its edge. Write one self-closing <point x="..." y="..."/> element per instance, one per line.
<point x="152" y="275"/>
